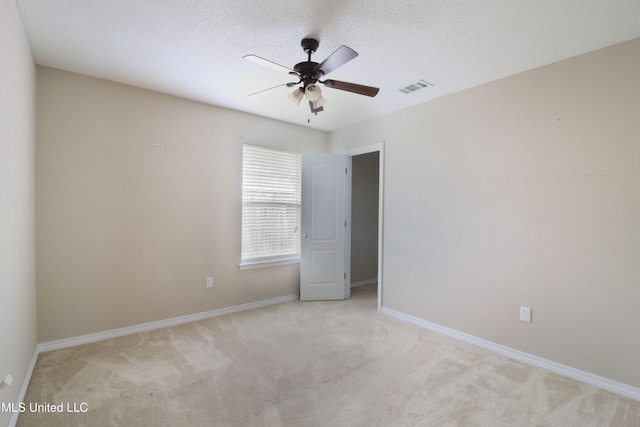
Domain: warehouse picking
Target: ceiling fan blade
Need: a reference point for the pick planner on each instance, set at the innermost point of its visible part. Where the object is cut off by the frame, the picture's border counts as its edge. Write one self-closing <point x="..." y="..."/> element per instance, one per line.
<point x="264" y="90"/>
<point x="352" y="87"/>
<point x="341" y="56"/>
<point x="265" y="62"/>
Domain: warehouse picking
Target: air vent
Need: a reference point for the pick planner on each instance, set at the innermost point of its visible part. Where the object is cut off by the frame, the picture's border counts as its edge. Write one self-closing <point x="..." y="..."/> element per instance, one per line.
<point x="413" y="87"/>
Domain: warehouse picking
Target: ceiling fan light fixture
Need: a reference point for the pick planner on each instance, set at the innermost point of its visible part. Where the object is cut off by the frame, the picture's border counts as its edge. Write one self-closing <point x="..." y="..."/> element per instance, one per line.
<point x="313" y="92"/>
<point x="297" y="95"/>
<point x="318" y="103"/>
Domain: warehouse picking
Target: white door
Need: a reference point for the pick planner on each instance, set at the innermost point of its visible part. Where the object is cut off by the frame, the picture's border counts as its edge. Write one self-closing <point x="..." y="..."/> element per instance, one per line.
<point x="324" y="259"/>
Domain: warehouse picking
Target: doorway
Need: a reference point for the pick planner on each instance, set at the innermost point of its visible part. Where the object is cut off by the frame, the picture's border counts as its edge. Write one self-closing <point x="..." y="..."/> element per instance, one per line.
<point x="325" y="260"/>
<point x="365" y="240"/>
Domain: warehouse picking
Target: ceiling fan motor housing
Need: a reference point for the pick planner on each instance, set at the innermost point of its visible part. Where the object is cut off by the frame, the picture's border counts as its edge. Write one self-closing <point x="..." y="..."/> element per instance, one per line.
<point x="309" y="45"/>
<point x="307" y="70"/>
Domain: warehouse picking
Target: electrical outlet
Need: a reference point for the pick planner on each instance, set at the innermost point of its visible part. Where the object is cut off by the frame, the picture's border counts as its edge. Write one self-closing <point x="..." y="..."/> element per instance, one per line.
<point x="7" y="381"/>
<point x="525" y="314"/>
<point x="209" y="283"/>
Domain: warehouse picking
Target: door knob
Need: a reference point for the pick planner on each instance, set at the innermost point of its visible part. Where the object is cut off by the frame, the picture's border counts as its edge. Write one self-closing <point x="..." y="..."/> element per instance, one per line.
<point x="305" y="235"/>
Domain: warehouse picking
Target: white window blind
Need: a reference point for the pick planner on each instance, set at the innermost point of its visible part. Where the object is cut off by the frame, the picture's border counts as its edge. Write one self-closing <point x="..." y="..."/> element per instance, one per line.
<point x="271" y="205"/>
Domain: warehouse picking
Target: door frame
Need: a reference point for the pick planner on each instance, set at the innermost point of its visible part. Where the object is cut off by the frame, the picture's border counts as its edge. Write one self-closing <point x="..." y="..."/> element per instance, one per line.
<point x="371" y="148"/>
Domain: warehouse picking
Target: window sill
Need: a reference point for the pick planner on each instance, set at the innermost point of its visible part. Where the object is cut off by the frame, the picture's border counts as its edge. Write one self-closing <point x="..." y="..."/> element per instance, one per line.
<point x="248" y="265"/>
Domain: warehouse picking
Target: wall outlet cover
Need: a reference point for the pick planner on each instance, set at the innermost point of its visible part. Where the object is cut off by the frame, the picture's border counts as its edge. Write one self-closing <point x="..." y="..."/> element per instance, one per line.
<point x="7" y="381"/>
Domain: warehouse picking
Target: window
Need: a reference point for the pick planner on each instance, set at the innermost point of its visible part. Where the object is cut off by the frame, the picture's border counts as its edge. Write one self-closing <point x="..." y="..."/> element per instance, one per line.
<point x="271" y="206"/>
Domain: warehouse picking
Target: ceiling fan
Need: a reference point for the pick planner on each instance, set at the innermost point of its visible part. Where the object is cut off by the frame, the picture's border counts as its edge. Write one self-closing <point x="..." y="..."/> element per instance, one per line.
<point x="309" y="74"/>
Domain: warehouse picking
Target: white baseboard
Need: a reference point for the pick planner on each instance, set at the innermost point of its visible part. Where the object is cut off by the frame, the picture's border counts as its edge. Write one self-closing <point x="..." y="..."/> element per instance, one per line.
<point x="25" y="385"/>
<point x="567" y="371"/>
<point x="114" y="333"/>
<point x="364" y="283"/>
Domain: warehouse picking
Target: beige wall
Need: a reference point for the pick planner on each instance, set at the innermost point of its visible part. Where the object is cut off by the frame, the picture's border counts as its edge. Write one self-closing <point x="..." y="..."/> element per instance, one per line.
<point x="17" y="238"/>
<point x="364" y="217"/>
<point x="139" y="199"/>
<point x="523" y="191"/>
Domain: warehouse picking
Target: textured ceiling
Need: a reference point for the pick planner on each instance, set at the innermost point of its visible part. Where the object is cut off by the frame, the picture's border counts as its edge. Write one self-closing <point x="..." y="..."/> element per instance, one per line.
<point x="194" y="48"/>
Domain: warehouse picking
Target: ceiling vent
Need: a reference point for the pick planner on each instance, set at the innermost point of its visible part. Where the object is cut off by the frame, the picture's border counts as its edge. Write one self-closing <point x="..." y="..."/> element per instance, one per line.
<point x="414" y="87"/>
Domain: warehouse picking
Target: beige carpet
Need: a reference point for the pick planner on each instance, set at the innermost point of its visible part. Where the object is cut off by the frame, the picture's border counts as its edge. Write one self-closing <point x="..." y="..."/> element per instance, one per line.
<point x="307" y="364"/>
